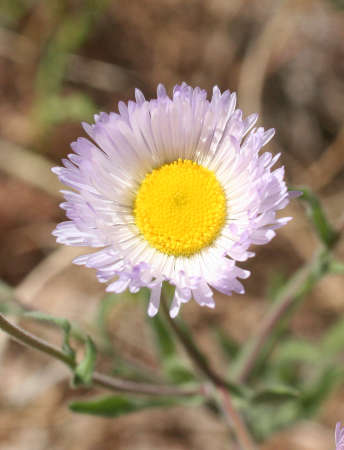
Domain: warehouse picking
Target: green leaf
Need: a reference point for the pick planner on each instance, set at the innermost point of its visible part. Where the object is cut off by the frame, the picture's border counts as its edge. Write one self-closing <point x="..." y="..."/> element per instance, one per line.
<point x="324" y="229"/>
<point x="59" y="322"/>
<point x="115" y="406"/>
<point x="273" y="394"/>
<point x="178" y="372"/>
<point x="84" y="371"/>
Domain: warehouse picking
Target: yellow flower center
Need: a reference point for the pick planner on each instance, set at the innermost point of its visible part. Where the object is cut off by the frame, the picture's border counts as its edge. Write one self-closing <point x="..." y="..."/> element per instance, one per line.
<point x="180" y="208"/>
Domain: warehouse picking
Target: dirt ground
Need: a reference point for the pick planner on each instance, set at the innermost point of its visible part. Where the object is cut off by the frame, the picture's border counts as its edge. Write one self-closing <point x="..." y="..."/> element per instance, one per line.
<point x="60" y="61"/>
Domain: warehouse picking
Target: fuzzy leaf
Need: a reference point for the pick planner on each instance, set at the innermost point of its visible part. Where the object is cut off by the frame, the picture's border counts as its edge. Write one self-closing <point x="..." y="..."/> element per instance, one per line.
<point x="115" y="406"/>
<point x="273" y="394"/>
<point x="60" y="322"/>
<point x="324" y="229"/>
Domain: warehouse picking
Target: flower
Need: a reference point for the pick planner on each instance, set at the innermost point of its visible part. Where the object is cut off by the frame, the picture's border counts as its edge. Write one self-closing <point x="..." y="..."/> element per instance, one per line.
<point x="170" y="190"/>
<point x="339" y="436"/>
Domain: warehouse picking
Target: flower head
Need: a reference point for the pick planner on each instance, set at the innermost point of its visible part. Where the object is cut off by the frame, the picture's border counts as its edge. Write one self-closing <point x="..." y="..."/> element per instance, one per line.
<point x="171" y="190"/>
<point x="339" y="436"/>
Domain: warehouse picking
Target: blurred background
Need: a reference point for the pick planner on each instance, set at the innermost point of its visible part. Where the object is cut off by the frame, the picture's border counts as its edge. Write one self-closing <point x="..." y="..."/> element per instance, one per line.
<point x="61" y="61"/>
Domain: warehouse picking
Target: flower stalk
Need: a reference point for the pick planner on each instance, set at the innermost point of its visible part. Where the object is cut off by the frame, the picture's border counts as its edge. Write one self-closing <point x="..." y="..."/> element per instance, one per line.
<point x="98" y="379"/>
<point x="222" y="387"/>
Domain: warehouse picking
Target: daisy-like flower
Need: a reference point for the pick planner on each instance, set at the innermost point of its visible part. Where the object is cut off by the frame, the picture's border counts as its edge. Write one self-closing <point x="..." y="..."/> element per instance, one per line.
<point x="171" y="190"/>
<point x="339" y="436"/>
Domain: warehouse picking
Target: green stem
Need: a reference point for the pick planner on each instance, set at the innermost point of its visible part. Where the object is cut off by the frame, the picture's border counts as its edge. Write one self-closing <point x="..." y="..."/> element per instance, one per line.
<point x="235" y="422"/>
<point x="298" y="286"/>
<point x="24" y="337"/>
<point x="197" y="358"/>
<point x="98" y="379"/>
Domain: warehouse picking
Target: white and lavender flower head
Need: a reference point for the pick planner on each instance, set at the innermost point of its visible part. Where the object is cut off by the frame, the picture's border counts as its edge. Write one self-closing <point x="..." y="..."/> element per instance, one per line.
<point x="171" y="190"/>
<point x="339" y="436"/>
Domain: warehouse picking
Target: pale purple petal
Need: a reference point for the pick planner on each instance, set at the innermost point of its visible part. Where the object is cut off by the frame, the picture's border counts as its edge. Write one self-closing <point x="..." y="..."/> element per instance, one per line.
<point x="339" y="436"/>
<point x="105" y="175"/>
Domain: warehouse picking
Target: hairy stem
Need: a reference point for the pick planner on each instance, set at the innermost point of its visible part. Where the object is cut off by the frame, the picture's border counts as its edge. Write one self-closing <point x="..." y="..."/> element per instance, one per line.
<point x="98" y="379"/>
<point x="195" y="355"/>
<point x="24" y="337"/>
<point x="234" y="420"/>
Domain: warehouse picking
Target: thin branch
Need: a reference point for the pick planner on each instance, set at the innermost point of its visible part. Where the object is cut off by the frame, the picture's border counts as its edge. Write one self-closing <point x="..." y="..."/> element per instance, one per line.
<point x="235" y="422"/>
<point x="24" y="337"/>
<point x="99" y="379"/>
<point x="132" y="387"/>
<point x="195" y="356"/>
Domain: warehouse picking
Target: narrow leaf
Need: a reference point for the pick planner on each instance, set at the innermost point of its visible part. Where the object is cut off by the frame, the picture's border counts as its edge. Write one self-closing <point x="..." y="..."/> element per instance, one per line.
<point x="59" y="322"/>
<point x="115" y="406"/>
<point x="273" y="394"/>
<point x="324" y="229"/>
